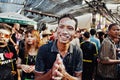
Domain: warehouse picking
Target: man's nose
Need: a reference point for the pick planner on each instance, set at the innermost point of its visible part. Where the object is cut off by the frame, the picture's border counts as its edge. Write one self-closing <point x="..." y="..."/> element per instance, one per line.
<point x="1" y="35"/>
<point x="65" y="30"/>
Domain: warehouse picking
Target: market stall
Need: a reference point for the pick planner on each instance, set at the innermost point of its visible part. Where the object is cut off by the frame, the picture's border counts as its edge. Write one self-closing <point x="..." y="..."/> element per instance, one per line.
<point x="11" y="17"/>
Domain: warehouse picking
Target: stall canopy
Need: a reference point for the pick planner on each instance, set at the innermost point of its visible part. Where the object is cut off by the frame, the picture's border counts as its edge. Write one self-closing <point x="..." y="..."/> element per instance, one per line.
<point x="11" y="17"/>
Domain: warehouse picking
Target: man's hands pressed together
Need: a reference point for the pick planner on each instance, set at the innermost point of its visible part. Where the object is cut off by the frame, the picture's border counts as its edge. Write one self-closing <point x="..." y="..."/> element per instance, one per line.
<point x="58" y="68"/>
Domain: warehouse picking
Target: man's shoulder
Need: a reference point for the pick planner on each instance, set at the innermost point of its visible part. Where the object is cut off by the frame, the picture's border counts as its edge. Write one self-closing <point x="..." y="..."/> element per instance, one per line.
<point x="76" y="48"/>
<point x="48" y="45"/>
<point x="106" y="40"/>
<point x="89" y="44"/>
<point x="94" y="39"/>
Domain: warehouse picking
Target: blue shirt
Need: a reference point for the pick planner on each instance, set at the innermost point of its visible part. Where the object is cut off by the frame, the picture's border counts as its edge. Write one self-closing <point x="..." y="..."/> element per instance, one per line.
<point x="96" y="41"/>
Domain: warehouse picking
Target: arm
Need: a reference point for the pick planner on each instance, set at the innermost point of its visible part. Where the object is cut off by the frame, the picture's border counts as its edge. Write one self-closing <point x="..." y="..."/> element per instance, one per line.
<point x="12" y="41"/>
<point x="24" y="67"/>
<point x="40" y="67"/>
<point x="110" y="61"/>
<point x="18" y="63"/>
<point x="42" y="76"/>
<point x="50" y="74"/>
<point x="78" y="76"/>
<point x="67" y="76"/>
<point x="106" y="54"/>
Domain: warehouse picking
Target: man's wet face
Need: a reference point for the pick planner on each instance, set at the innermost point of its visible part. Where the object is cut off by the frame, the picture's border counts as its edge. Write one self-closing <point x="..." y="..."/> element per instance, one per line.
<point x="66" y="30"/>
<point x="4" y="37"/>
<point x="114" y="31"/>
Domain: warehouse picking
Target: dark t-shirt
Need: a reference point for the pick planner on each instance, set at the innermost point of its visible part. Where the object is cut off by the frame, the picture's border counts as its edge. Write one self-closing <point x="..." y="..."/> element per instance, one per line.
<point x="8" y="59"/>
<point x="47" y="55"/>
<point x="29" y="60"/>
<point x="13" y="38"/>
<point x="89" y="50"/>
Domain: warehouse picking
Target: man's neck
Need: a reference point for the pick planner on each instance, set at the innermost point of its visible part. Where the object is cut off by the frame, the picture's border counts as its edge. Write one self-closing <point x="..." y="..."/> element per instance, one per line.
<point x="87" y="39"/>
<point x="63" y="48"/>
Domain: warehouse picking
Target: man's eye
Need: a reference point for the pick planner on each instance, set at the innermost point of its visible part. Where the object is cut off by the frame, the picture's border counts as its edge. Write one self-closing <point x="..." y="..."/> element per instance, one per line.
<point x="70" y="28"/>
<point x="61" y="26"/>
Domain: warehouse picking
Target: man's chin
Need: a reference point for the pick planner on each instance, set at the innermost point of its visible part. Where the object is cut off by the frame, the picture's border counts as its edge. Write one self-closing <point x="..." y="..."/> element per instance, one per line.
<point x="64" y="42"/>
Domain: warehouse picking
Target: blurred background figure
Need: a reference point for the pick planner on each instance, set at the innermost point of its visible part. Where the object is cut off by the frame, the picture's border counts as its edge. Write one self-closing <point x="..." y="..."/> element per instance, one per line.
<point x="89" y="57"/>
<point x="27" y="55"/>
<point x="8" y="55"/>
<point x="106" y="69"/>
<point x="46" y="34"/>
<point x="94" y="39"/>
<point x="16" y="36"/>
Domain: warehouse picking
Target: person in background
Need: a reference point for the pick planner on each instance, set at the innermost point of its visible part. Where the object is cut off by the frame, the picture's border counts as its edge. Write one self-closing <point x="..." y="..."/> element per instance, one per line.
<point x="16" y="36"/>
<point x="60" y="59"/>
<point x="46" y="36"/>
<point x="107" y="55"/>
<point x="27" y="55"/>
<point x="15" y="27"/>
<point x="101" y="35"/>
<point x="76" y="41"/>
<point x="117" y="43"/>
<point x="89" y="57"/>
<point x="15" y="30"/>
<point x="8" y="55"/>
<point x="94" y="39"/>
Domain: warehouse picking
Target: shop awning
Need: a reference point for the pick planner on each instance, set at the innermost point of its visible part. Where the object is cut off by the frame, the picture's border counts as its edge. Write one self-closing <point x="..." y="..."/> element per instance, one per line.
<point x="11" y="17"/>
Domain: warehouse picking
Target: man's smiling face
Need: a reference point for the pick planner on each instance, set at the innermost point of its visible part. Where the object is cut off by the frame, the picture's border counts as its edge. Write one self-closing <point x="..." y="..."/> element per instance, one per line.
<point x="66" y="30"/>
<point x="4" y="37"/>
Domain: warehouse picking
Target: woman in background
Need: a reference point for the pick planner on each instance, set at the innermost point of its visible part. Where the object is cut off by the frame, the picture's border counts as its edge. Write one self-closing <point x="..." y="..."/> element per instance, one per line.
<point x="27" y="55"/>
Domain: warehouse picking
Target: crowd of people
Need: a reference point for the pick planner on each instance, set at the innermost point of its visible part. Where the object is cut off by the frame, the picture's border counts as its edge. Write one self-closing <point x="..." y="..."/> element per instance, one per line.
<point x="68" y="53"/>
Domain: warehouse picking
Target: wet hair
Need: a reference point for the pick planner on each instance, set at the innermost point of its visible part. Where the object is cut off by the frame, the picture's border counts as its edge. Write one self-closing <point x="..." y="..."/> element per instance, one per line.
<point x="92" y="31"/>
<point x="69" y="16"/>
<point x="111" y="25"/>
<point x="5" y="26"/>
<point x="34" y="33"/>
<point x="86" y="34"/>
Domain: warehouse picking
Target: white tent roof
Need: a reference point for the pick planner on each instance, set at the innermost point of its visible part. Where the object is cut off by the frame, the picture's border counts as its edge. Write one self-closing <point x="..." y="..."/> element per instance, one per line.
<point x="11" y="17"/>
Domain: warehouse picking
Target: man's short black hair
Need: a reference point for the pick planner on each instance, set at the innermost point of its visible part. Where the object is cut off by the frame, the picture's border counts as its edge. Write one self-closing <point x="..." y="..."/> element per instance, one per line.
<point x="86" y="34"/>
<point x="93" y="31"/>
<point x="69" y="16"/>
<point x="111" y="25"/>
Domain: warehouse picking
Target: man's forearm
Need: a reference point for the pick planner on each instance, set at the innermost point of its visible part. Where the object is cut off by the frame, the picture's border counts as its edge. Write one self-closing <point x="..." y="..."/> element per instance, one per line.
<point x="69" y="77"/>
<point x="46" y="76"/>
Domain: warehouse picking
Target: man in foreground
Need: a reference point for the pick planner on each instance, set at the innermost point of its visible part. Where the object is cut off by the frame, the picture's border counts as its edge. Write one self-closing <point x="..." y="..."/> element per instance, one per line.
<point x="60" y="59"/>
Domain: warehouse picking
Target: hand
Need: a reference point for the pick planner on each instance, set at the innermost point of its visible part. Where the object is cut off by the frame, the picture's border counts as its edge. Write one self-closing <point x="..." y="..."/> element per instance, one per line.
<point x="26" y="68"/>
<point x="62" y="68"/>
<point x="31" y="68"/>
<point x="16" y="47"/>
<point x="60" y="63"/>
<point x="98" y="60"/>
<point x="56" y="67"/>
